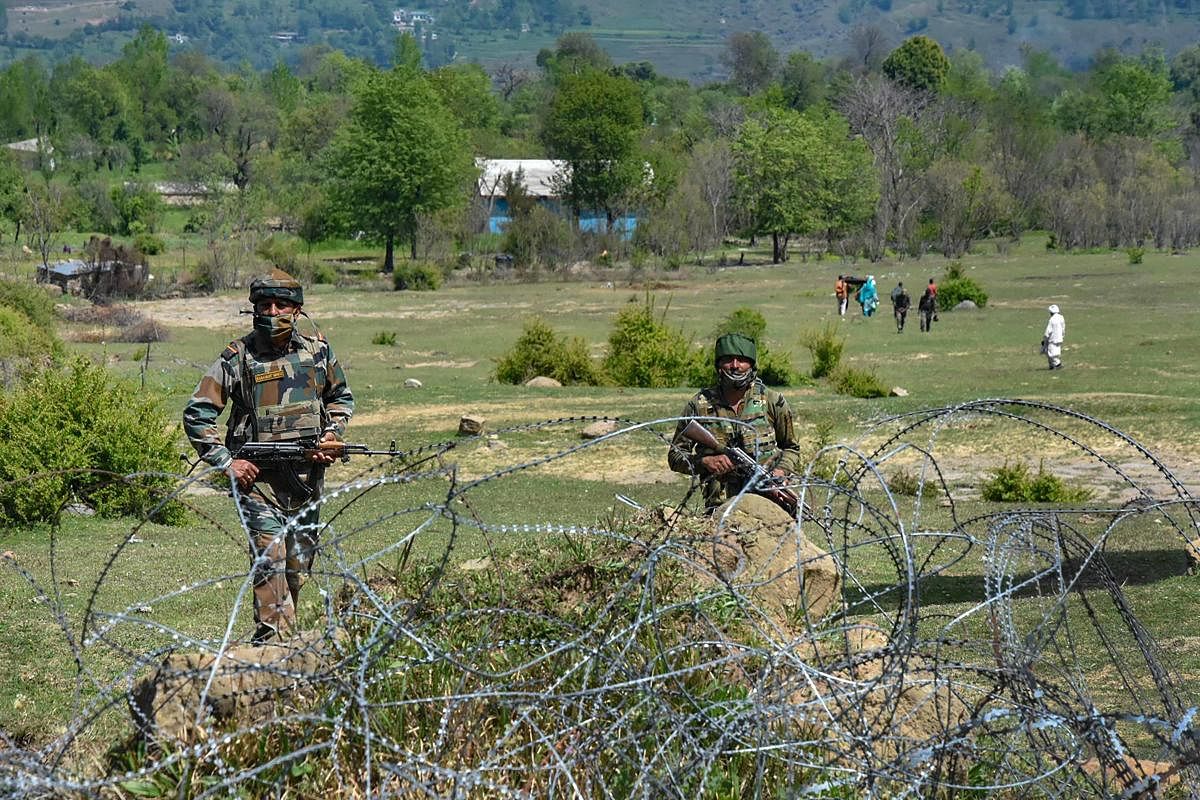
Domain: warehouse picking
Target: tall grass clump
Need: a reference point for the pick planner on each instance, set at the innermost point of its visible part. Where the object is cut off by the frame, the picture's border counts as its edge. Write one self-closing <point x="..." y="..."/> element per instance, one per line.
<point x="541" y="351"/>
<point x="416" y="278"/>
<point x="857" y="383"/>
<point x="956" y="287"/>
<point x="1017" y="484"/>
<point x="70" y="433"/>
<point x="826" y="347"/>
<point x="644" y="351"/>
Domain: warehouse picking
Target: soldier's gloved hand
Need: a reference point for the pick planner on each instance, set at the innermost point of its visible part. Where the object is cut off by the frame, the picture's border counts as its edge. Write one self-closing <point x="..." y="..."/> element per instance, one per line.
<point x="717" y="465"/>
<point x="245" y="472"/>
<point x="322" y="456"/>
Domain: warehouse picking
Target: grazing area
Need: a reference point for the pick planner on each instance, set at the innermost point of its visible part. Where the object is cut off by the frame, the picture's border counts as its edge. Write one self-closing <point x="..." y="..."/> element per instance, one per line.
<point x="487" y="617"/>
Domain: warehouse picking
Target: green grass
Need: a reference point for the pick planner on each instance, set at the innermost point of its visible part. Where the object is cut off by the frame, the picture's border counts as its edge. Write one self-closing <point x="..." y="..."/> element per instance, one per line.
<point x="1130" y="336"/>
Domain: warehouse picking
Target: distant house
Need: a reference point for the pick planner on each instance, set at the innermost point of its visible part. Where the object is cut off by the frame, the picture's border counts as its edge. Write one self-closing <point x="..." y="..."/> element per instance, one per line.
<point x="540" y="177"/>
<point x="285" y="36"/>
<point x="30" y="151"/>
<point x="63" y="273"/>
<point x="406" y="21"/>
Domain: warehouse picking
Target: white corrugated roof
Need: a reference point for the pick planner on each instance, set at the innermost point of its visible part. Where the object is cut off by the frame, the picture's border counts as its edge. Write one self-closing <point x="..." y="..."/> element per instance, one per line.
<point x="538" y="174"/>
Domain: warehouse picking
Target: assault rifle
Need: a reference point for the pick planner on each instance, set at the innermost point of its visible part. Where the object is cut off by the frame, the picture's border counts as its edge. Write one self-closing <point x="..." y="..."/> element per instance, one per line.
<point x="758" y="479"/>
<point x="300" y="449"/>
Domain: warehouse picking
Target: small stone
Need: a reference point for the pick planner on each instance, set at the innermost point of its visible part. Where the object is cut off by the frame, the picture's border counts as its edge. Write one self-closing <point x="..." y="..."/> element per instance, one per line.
<point x="599" y="428"/>
<point x="143" y="610"/>
<point x="470" y="425"/>
<point x="496" y="444"/>
<point x="412" y="383"/>
<point x="542" y="382"/>
<point x="966" y="305"/>
<point x="80" y="510"/>
<point x="898" y="391"/>
<point x="476" y="564"/>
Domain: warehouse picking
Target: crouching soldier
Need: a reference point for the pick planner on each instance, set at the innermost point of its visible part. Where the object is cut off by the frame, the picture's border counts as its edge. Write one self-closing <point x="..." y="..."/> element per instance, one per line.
<point x="280" y="386"/>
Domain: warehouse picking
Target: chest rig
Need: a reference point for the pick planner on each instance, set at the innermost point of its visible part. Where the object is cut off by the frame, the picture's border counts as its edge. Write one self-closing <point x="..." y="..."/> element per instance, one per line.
<point x="280" y="393"/>
<point x="758" y="439"/>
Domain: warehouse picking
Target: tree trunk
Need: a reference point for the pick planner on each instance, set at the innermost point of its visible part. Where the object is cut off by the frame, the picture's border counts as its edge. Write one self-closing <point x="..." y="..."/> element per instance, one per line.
<point x="413" y="246"/>
<point x="779" y="243"/>
<point x="389" y="256"/>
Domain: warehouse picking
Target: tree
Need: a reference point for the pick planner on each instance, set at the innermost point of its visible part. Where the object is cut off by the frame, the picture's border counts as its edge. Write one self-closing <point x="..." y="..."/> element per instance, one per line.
<point x="752" y="60"/>
<point x="593" y="124"/>
<point x="803" y="81"/>
<point x="46" y="210"/>
<point x="802" y="173"/>
<point x="143" y="70"/>
<point x="964" y="201"/>
<point x="919" y="64"/>
<point x="400" y="154"/>
<point x="1126" y="97"/>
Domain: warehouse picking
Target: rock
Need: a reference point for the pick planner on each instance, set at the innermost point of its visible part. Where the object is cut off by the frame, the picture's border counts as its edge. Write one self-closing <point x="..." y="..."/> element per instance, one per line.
<point x="758" y="548"/>
<point x="898" y="391"/>
<point x="542" y="382"/>
<point x="966" y="305"/>
<point x="496" y="444"/>
<point x="250" y="684"/>
<point x="412" y="383"/>
<point x="597" y="429"/>
<point x="79" y="510"/>
<point x="470" y="425"/>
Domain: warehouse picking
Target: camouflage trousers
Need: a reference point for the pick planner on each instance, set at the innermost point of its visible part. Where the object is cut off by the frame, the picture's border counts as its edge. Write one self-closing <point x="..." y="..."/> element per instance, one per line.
<point x="280" y="556"/>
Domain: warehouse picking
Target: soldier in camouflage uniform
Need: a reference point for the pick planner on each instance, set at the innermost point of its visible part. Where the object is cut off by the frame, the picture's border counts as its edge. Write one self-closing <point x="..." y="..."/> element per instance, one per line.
<point x="766" y="435"/>
<point x="283" y="386"/>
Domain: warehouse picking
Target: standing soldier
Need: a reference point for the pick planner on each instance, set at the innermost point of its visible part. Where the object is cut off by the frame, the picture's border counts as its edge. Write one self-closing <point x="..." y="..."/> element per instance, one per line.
<point x="900" y="303"/>
<point x="759" y="422"/>
<point x="841" y="290"/>
<point x="283" y="387"/>
<point x="1052" y="338"/>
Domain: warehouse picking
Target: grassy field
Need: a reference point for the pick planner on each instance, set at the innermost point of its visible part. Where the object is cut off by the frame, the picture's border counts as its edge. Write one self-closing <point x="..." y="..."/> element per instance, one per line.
<point x="1131" y="333"/>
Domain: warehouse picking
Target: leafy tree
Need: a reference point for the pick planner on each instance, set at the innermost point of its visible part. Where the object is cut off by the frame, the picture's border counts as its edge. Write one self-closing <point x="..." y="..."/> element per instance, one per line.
<point x="918" y="63"/>
<point x="574" y="53"/>
<point x="803" y="81"/>
<point x="752" y="60"/>
<point x="803" y="174"/>
<point x="143" y="70"/>
<point x="400" y="154"/>
<point x="1126" y="97"/>
<point x="593" y="124"/>
<point x="12" y="191"/>
<point x="466" y="91"/>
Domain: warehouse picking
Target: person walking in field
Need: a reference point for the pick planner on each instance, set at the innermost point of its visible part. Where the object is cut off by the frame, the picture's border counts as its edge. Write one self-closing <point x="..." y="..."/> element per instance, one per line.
<point x="868" y="297"/>
<point x="933" y="292"/>
<point x="900" y="304"/>
<point x="925" y="310"/>
<point x="1052" y="338"/>
<point x="280" y="386"/>
<point x="841" y="290"/>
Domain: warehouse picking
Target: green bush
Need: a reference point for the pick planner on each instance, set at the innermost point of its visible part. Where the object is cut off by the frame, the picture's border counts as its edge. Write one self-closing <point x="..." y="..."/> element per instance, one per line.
<point x="956" y="287"/>
<point x="1136" y="254"/>
<point x="71" y="434"/>
<point x="417" y="277"/>
<point x="148" y="244"/>
<point x="541" y="351"/>
<point x="1016" y="484"/>
<point x="904" y="482"/>
<point x="385" y="338"/>
<point x="826" y="348"/>
<point x="324" y="274"/>
<point x="644" y="351"/>
<point x="19" y="338"/>
<point x="32" y="301"/>
<point x="279" y="253"/>
<point x="857" y="383"/>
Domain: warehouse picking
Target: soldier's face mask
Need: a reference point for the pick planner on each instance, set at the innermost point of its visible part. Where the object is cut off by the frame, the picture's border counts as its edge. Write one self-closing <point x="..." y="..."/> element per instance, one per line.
<point x="735" y="371"/>
<point x="275" y="319"/>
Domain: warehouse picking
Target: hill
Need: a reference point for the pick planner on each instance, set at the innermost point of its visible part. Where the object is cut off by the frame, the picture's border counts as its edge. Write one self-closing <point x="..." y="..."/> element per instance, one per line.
<point x="684" y="39"/>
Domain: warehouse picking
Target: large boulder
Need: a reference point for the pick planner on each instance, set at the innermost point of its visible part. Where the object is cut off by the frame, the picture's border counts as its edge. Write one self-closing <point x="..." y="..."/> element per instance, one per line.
<point x="759" y="548"/>
<point x="471" y="425"/>
<point x="192" y="693"/>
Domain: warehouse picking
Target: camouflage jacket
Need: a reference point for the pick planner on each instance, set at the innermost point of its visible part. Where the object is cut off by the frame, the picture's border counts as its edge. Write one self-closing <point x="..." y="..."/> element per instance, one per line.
<point x="770" y="437"/>
<point x="275" y="395"/>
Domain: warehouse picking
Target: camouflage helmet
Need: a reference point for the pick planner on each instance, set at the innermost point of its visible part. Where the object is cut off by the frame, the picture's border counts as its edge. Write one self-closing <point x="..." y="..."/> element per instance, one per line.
<point x="735" y="344"/>
<point x="279" y="285"/>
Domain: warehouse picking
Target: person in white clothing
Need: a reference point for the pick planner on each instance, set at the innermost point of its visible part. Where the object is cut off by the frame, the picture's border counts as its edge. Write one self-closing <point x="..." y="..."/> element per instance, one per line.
<point x="1052" y="339"/>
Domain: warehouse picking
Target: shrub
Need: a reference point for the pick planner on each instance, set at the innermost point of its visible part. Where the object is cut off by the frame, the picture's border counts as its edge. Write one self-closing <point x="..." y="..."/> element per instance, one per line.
<point x="956" y="287"/>
<point x="1015" y="484"/>
<point x="541" y="351"/>
<point x="149" y="244"/>
<point x="70" y="434"/>
<point x="32" y="301"/>
<point x="417" y="277"/>
<point x="385" y="338"/>
<point x="148" y="330"/>
<point x="1136" y="254"/>
<point x="21" y="339"/>
<point x="324" y="274"/>
<point x="774" y="369"/>
<point x="644" y="351"/>
<point x="857" y="383"/>
<point x="278" y="253"/>
<point x="826" y="348"/>
<point x="904" y="482"/>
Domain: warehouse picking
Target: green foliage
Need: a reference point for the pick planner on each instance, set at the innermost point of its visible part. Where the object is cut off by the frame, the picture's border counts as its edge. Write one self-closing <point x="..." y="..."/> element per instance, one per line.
<point x="541" y="351"/>
<point x="138" y="208"/>
<point x="417" y="277"/>
<point x="385" y="338"/>
<point x="71" y="433"/>
<point x="278" y="252"/>
<point x="1136" y="254"/>
<point x="826" y="347"/>
<point x="644" y="351"/>
<point x="955" y="288"/>
<point x="148" y="244"/>
<point x="32" y="301"/>
<point x="918" y="63"/>
<point x="323" y="273"/>
<point x="904" y="482"/>
<point x="857" y="383"/>
<point x="1016" y="484"/>
<point x="20" y="339"/>
<point x="774" y="368"/>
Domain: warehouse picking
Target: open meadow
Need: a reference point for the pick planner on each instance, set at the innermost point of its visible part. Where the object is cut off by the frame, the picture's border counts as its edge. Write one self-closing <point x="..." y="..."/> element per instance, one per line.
<point x="1129" y="356"/>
